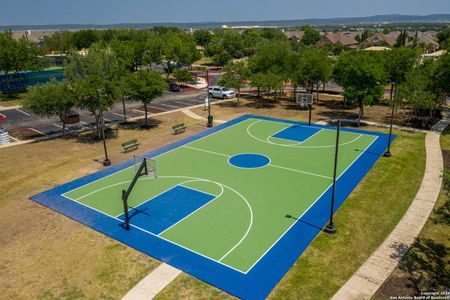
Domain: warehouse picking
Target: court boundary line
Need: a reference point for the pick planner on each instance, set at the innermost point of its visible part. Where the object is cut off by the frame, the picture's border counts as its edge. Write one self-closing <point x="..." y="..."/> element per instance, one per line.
<point x="192" y="179"/>
<point x="186" y="248"/>
<point x="269" y="164"/>
<point x="155" y="235"/>
<point x="318" y="198"/>
<point x="301" y="146"/>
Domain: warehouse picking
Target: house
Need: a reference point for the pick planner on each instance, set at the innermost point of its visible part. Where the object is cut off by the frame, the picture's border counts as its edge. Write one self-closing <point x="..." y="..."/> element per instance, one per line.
<point x="294" y="35"/>
<point x="381" y="39"/>
<point x="337" y="38"/>
<point x="35" y="36"/>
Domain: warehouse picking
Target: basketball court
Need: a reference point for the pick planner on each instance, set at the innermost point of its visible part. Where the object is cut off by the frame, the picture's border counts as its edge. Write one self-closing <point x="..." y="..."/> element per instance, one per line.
<point x="234" y="206"/>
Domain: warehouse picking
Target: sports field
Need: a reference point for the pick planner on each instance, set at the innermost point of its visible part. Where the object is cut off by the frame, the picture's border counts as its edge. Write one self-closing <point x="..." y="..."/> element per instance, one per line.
<point x="234" y="206"/>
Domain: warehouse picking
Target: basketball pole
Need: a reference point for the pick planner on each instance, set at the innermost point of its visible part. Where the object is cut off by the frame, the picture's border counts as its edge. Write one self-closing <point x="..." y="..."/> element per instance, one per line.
<point x="330" y="228"/>
<point x="388" y="151"/>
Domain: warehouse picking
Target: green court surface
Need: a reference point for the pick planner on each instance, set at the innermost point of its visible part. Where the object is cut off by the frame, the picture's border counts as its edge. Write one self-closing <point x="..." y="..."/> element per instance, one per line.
<point x="252" y="208"/>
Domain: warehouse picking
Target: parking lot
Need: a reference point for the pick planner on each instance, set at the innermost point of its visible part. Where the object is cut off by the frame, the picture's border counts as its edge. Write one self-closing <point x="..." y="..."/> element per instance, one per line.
<point x="23" y="124"/>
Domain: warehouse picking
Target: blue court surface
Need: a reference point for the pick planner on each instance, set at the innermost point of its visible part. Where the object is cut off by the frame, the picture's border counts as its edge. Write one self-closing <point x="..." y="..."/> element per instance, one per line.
<point x="234" y="206"/>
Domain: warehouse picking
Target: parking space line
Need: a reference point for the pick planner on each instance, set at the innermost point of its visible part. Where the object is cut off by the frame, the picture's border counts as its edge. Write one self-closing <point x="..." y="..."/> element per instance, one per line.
<point x="117" y="114"/>
<point x="137" y="110"/>
<point x="168" y="105"/>
<point x="57" y="125"/>
<point x="87" y="124"/>
<point x="155" y="107"/>
<point x="25" y="113"/>
<point x="38" y="131"/>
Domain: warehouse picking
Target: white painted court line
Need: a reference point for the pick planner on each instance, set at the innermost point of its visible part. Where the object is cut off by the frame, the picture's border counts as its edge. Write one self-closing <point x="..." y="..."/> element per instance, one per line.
<point x="272" y="165"/>
<point x="225" y="186"/>
<point x="207" y="151"/>
<point x="151" y="233"/>
<point x="25" y="113"/>
<point x="299" y="171"/>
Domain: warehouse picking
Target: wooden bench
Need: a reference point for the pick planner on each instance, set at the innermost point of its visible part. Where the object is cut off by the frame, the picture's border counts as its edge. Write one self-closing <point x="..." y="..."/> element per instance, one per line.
<point x="132" y="144"/>
<point x="179" y="128"/>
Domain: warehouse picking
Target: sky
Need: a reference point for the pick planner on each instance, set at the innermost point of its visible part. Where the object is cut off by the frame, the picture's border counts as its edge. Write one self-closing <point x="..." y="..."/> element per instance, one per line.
<point x="44" y="12"/>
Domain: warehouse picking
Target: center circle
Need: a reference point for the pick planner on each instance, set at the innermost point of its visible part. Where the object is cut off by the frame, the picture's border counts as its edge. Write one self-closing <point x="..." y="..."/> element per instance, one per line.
<point x="249" y="160"/>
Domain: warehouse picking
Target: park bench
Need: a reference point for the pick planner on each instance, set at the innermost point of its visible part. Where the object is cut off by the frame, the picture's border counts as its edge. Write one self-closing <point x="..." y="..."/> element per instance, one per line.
<point x="132" y="144"/>
<point x="179" y="128"/>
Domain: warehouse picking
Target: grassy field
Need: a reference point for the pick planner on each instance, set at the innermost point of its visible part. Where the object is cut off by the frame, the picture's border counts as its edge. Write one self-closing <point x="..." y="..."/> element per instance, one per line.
<point x="45" y="255"/>
<point x="426" y="266"/>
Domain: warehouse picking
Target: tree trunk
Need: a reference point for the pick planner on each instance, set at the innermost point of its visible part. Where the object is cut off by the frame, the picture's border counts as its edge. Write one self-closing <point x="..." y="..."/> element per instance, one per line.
<point x="146" y="115"/>
<point x="238" y="96"/>
<point x="295" y="92"/>
<point x="124" y="111"/>
<point x="259" y="92"/>
<point x="360" y="114"/>
<point x="97" y="124"/>
<point x="317" y="92"/>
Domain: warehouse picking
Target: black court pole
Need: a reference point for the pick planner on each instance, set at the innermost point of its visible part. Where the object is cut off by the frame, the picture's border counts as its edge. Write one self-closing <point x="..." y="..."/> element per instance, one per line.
<point x="310" y="109"/>
<point x="388" y="151"/>
<point x="330" y="228"/>
<point x="210" y="118"/>
<point x="125" y="209"/>
<point x="107" y="161"/>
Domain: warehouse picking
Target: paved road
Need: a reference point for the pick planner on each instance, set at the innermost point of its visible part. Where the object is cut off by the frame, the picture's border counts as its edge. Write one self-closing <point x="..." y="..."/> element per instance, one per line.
<point x="19" y="118"/>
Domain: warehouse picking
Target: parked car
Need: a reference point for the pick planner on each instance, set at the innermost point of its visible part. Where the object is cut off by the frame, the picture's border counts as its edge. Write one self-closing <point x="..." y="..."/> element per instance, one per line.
<point x="221" y="92"/>
<point x="173" y="87"/>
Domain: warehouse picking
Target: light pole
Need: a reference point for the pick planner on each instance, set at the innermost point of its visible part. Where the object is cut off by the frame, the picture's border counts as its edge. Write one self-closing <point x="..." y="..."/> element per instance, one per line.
<point x="210" y="118"/>
<point x="330" y="228"/>
<point x="388" y="151"/>
<point x="106" y="162"/>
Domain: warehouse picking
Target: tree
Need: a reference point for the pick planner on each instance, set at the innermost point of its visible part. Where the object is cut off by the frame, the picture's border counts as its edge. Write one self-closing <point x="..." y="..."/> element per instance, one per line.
<point x="441" y="76"/>
<point x="362" y="76"/>
<point x="234" y="75"/>
<point x="95" y="78"/>
<point x="312" y="67"/>
<point x="399" y="62"/>
<point x="202" y="37"/>
<point x="16" y="55"/>
<point x="268" y="81"/>
<point x="416" y="94"/>
<point x="54" y="98"/>
<point x="273" y="58"/>
<point x="59" y="41"/>
<point x="311" y="35"/>
<point x="145" y="86"/>
<point x="443" y="37"/>
<point x="402" y="39"/>
<point x="83" y="39"/>
<point x="183" y="75"/>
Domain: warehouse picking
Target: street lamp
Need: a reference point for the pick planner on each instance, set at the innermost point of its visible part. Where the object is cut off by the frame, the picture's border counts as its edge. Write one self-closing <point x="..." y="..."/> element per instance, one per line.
<point x="107" y="161"/>
<point x="330" y="228"/>
<point x="210" y="118"/>
<point x="388" y="151"/>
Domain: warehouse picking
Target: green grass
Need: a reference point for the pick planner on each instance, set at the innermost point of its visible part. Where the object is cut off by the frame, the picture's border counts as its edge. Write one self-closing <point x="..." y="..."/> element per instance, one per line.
<point x="257" y="200"/>
<point x="363" y="222"/>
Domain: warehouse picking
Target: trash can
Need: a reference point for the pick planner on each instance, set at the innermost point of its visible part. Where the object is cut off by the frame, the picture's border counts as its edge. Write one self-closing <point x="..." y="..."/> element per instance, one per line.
<point x="4" y="136"/>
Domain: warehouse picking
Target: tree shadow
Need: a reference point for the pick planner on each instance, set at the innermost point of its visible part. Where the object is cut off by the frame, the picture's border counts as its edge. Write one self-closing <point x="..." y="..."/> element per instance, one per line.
<point x="426" y="264"/>
<point x="259" y="103"/>
<point x="338" y="115"/>
<point x="139" y="125"/>
<point x="90" y="137"/>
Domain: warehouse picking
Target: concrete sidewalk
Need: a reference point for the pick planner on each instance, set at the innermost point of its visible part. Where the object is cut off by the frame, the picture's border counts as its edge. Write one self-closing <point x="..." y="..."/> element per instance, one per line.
<point x="371" y="275"/>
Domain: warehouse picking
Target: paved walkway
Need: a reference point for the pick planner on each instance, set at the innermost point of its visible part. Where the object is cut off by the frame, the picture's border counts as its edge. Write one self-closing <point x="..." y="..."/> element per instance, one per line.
<point x="371" y="275"/>
<point x="193" y="115"/>
<point x="153" y="283"/>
